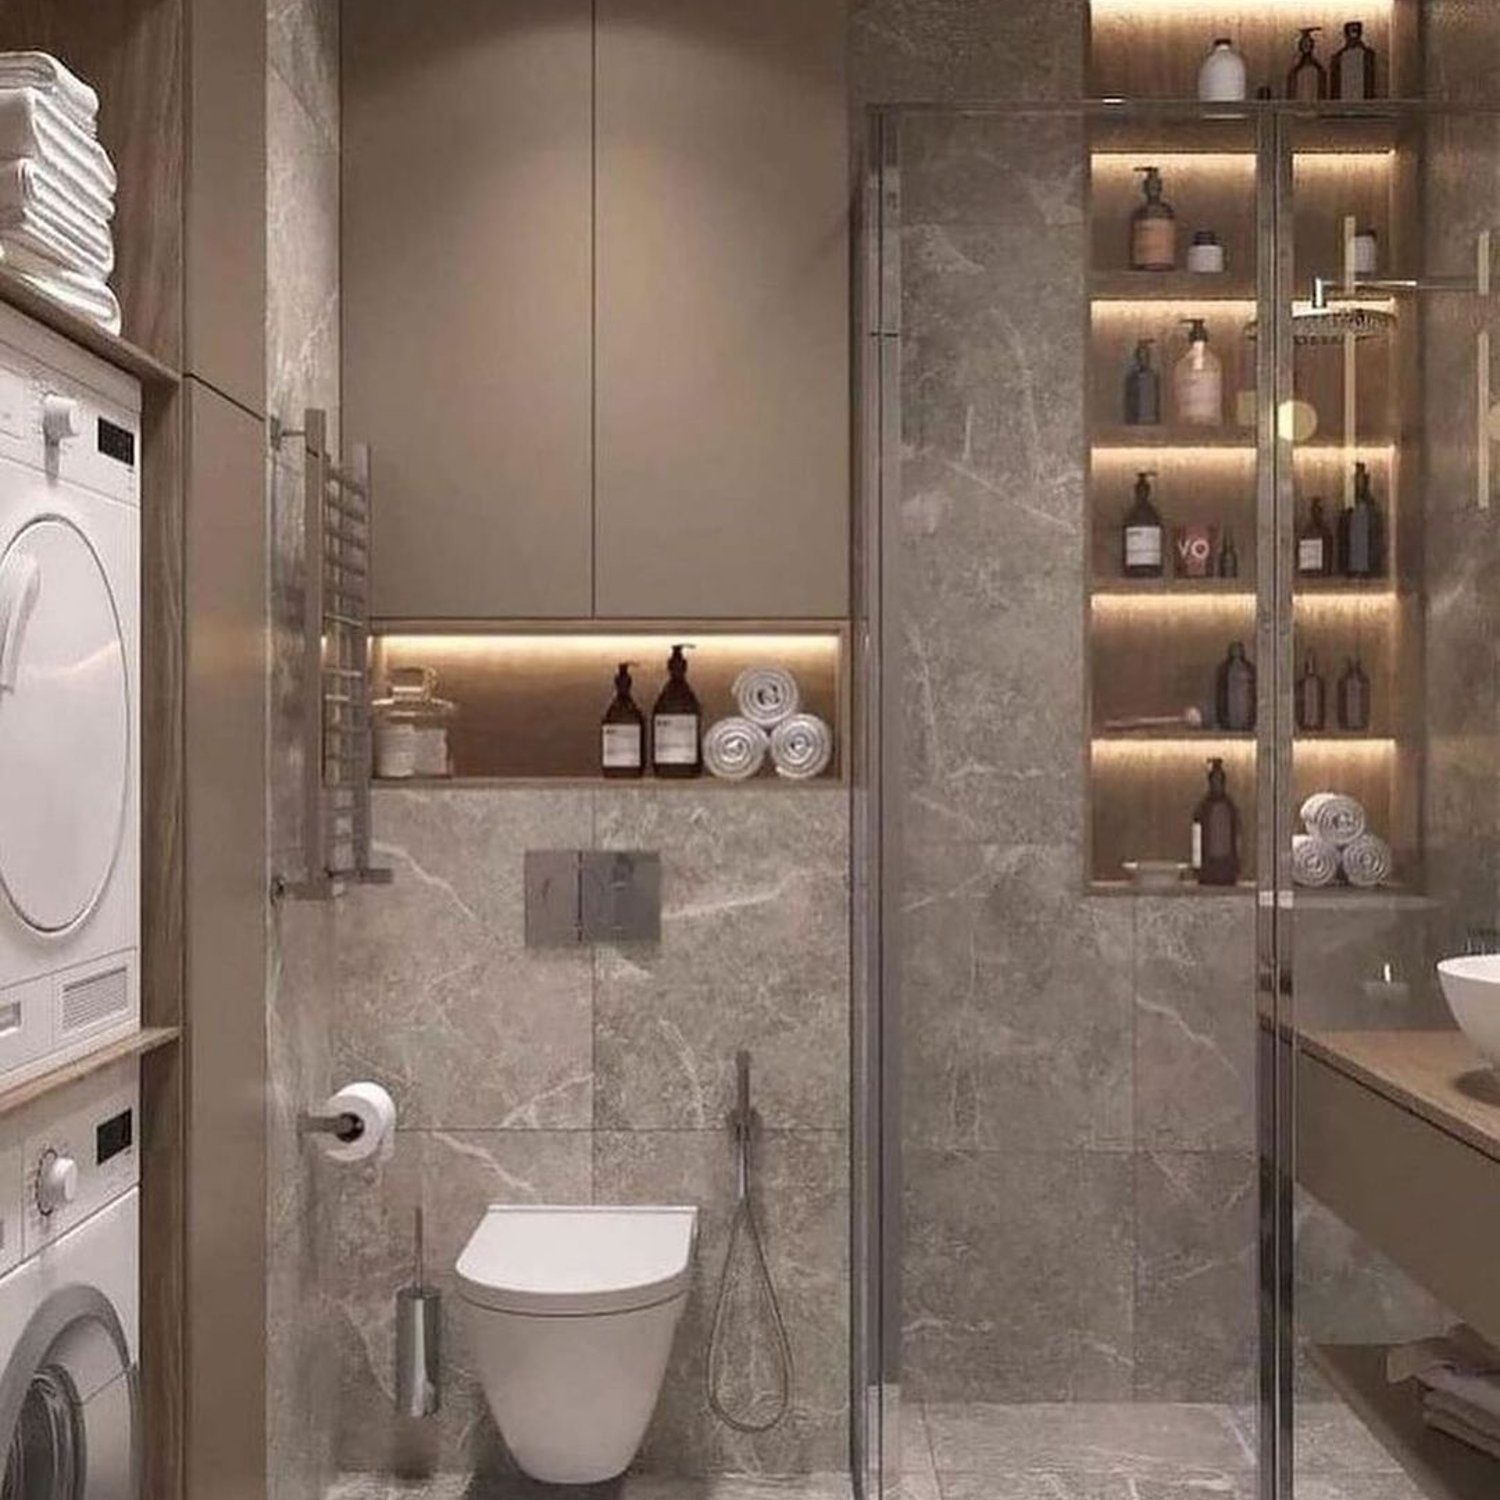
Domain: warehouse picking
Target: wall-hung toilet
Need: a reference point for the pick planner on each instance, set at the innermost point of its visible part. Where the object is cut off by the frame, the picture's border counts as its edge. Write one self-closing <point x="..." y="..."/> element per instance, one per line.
<point x="571" y="1312"/>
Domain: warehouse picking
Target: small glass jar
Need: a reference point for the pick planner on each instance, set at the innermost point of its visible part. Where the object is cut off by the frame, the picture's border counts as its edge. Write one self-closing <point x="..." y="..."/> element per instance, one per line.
<point x="1364" y="253"/>
<point x="411" y="727"/>
<point x="1205" y="255"/>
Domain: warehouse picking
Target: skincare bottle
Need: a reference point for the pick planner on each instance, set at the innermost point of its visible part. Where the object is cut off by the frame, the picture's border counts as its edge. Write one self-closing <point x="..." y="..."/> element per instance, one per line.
<point x="1365" y="253"/>
<point x="1229" y="559"/>
<point x="1354" y="698"/>
<point x="1145" y="536"/>
<point x="1246" y="398"/>
<point x="1312" y="698"/>
<point x="1142" y="389"/>
<point x="1234" y="692"/>
<point x="1222" y="76"/>
<point x="1153" y="227"/>
<point x="1308" y="79"/>
<point x="1198" y="380"/>
<point x="1205" y="255"/>
<point x="624" y="732"/>
<point x="1315" y="544"/>
<point x="1216" y="832"/>
<point x="676" y="744"/>
<point x="1353" y="65"/>
<point x="1362" y="532"/>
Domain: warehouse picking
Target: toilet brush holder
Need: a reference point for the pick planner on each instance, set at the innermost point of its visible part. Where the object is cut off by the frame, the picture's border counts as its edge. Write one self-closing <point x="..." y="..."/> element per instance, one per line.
<point x="419" y="1322"/>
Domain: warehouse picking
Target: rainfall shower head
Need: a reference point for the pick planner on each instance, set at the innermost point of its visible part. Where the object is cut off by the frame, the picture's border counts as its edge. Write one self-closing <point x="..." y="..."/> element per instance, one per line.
<point x="1332" y="325"/>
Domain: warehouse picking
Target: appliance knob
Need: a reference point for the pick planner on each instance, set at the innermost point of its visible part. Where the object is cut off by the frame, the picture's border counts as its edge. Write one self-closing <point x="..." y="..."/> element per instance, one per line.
<point x="59" y="418"/>
<point x="56" y="1182"/>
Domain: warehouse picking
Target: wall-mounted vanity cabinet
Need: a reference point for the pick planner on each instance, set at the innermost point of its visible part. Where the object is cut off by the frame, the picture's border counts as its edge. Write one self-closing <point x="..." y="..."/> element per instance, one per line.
<point x="595" y="314"/>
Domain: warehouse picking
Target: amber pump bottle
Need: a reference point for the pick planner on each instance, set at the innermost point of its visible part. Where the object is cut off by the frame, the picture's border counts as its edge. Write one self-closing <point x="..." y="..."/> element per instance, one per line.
<point x="676" y="722"/>
<point x="1153" y="227"/>
<point x="1308" y="79"/>
<point x="1216" y="832"/>
<point x="624" y="731"/>
<point x="1353" y="65"/>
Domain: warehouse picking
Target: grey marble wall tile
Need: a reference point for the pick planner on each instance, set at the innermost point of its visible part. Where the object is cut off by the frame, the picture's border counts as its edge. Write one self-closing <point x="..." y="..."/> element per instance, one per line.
<point x="302" y="47"/>
<point x="754" y="953"/>
<point x="1339" y="955"/>
<point x="1019" y="1276"/>
<point x="438" y="996"/>
<point x="453" y="1175"/>
<point x="1196" y="1288"/>
<point x="302" y="298"/>
<point x="905" y="50"/>
<point x="1195" y="1024"/>
<point x="801" y="1195"/>
<point x="1016" y="1003"/>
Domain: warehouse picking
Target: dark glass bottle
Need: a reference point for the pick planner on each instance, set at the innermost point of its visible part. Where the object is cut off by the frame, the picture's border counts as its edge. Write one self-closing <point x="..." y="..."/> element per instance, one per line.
<point x="1308" y="79"/>
<point x="1142" y="389"/>
<point x="1216" y="832"/>
<point x="624" y="732"/>
<point x="1354" y="698"/>
<point x="1229" y="558"/>
<point x="1153" y="227"/>
<point x="1315" y="544"/>
<point x="1353" y="65"/>
<point x="1234" y="691"/>
<point x="1312" y="699"/>
<point x="1144" y="542"/>
<point x="676" y="723"/>
<point x="1362" y="532"/>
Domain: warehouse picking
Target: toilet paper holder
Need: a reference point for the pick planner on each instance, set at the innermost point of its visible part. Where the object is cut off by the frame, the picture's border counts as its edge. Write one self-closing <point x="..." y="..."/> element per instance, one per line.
<point x="344" y="1127"/>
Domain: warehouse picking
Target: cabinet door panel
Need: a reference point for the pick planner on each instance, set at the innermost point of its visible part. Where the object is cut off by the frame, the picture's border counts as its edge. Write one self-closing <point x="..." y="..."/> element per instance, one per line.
<point x="467" y="293"/>
<point x="722" y="396"/>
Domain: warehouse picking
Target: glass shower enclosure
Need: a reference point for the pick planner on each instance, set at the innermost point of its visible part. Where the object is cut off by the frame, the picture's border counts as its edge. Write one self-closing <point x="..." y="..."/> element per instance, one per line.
<point x="1169" y="814"/>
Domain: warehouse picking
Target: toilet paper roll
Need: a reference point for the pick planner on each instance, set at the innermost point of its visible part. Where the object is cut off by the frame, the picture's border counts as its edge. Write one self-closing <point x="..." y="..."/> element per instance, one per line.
<point x="376" y="1112"/>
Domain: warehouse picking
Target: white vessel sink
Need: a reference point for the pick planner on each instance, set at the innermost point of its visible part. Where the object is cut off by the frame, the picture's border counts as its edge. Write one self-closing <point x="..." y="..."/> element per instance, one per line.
<point x="1472" y="988"/>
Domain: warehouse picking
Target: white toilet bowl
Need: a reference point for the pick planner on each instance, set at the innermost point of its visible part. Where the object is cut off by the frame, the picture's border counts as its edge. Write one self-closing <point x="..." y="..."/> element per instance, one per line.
<point x="571" y="1312"/>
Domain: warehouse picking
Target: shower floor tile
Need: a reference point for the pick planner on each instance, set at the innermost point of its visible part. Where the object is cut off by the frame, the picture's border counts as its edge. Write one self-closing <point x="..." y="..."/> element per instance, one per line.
<point x="633" y="1487"/>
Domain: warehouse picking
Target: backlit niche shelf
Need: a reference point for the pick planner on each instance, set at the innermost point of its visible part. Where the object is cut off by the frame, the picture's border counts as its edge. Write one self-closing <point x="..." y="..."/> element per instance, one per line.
<point x="1154" y="645"/>
<point x="531" y="695"/>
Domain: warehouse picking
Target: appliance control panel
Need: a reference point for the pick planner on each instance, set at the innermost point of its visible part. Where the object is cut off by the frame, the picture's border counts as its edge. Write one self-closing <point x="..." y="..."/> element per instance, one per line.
<point x="60" y="424"/>
<point x="78" y="1150"/>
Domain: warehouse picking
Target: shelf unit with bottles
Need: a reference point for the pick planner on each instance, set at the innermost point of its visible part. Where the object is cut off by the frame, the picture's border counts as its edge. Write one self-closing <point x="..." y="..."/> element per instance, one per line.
<point x="1154" y="643"/>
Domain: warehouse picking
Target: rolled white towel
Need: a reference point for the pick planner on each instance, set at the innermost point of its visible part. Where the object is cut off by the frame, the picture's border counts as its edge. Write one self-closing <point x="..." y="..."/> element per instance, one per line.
<point x="44" y="73"/>
<point x="31" y="125"/>
<point x="84" y="295"/>
<point x="1335" y="817"/>
<point x="735" y="749"/>
<point x="54" y="245"/>
<point x="1367" y="861"/>
<point x="35" y="182"/>
<point x="767" y="695"/>
<point x="1315" y="862"/>
<point x="801" y="747"/>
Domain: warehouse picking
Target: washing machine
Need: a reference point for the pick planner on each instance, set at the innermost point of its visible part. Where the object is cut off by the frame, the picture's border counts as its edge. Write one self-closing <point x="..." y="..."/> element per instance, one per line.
<point x="69" y="699"/>
<point x="69" y="1293"/>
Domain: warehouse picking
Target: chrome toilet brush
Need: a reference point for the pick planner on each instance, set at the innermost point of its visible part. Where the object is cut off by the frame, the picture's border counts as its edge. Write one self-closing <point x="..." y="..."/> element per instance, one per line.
<point x="419" y="1322"/>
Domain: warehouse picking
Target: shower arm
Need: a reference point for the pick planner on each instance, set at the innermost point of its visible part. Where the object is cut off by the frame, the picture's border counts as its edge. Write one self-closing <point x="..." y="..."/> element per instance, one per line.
<point x="1329" y="289"/>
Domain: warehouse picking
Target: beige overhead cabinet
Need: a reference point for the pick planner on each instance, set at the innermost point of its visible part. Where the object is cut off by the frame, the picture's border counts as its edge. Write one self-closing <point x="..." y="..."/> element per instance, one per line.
<point x="722" y="387"/>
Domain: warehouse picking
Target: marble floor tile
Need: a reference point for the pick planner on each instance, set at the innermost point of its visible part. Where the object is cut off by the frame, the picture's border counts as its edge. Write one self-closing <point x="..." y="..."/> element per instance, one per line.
<point x="632" y="1487"/>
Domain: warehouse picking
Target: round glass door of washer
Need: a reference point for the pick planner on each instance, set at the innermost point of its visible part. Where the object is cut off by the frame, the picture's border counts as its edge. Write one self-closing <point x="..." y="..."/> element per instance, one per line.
<point x="64" y="725"/>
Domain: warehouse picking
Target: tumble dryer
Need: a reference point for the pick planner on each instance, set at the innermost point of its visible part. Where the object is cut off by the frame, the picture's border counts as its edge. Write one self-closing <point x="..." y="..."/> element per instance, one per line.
<point x="69" y="704"/>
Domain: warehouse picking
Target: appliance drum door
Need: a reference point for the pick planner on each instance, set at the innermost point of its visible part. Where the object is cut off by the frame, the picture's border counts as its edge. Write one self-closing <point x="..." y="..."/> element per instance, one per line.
<point x="68" y="1405"/>
<point x="64" y="726"/>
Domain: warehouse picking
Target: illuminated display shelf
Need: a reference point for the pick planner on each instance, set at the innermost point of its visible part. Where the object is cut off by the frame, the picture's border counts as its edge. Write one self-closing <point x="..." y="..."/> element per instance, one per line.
<point x="1198" y="739"/>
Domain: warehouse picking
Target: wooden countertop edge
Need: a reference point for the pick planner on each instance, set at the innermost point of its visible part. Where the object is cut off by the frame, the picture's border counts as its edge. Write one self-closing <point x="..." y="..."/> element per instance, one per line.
<point x="137" y="1044"/>
<point x="1323" y="1046"/>
<point x="121" y="353"/>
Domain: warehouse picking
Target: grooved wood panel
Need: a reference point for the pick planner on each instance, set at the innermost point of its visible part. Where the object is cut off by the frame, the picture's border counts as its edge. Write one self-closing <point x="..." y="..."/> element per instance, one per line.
<point x="225" y="866"/>
<point x="723" y="295"/>
<point x="467" y="300"/>
<point x="132" y="52"/>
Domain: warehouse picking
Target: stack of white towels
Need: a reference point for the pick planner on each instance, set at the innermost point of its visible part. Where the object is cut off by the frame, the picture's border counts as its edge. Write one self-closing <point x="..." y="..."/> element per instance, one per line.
<point x="769" y="722"/>
<point x="1338" y="843"/>
<point x="57" y="186"/>
<point x="1459" y="1378"/>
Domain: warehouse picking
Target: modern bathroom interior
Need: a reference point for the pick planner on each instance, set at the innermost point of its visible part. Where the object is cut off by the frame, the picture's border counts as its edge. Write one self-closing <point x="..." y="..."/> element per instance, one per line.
<point x="749" y="750"/>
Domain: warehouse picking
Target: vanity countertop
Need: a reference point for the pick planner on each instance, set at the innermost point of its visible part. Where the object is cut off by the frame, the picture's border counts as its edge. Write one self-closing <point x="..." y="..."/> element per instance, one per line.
<point x="1437" y="1075"/>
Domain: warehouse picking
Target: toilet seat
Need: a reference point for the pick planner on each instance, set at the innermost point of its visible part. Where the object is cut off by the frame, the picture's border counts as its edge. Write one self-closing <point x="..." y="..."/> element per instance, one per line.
<point x="580" y="1261"/>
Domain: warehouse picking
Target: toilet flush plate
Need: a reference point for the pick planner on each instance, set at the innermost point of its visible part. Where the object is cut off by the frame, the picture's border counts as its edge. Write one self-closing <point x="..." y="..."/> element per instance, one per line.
<point x="578" y="896"/>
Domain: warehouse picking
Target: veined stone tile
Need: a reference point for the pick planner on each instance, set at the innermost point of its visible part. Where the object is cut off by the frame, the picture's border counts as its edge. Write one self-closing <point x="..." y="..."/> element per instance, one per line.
<point x="1131" y="1440"/>
<point x="1196" y="1290"/>
<point x="1019" y="1272"/>
<point x="754" y="953"/>
<point x="302" y="45"/>
<point x="1016" y="1003"/>
<point x="1053" y="1484"/>
<point x="1195" y="1024"/>
<point x="800" y="1194"/>
<point x="439" y="998"/>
